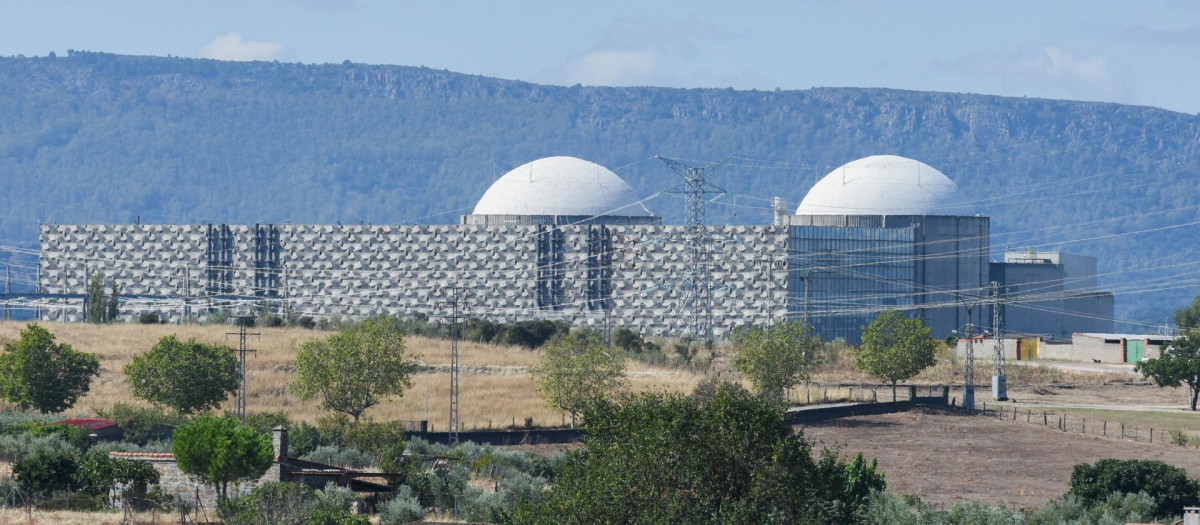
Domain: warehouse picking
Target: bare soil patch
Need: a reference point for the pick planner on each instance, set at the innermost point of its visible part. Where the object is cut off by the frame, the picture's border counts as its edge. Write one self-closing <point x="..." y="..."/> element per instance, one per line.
<point x="947" y="457"/>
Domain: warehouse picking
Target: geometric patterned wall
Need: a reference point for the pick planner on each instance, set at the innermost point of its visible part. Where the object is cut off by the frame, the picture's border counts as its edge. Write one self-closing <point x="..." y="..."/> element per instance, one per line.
<point x="359" y="270"/>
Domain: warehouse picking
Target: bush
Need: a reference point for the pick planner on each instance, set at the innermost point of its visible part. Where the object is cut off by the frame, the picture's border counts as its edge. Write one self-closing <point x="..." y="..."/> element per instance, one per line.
<point x="341" y="517"/>
<point x="98" y="474"/>
<point x="46" y="471"/>
<point x="19" y="446"/>
<point x="303" y="439"/>
<point x="270" y="504"/>
<point x="1116" y="509"/>
<point x="266" y="422"/>
<point x="149" y="318"/>
<point x="402" y="508"/>
<point x="334" y="498"/>
<point x="367" y="435"/>
<point x="348" y="457"/>
<point x="75" y="436"/>
<point x="141" y="424"/>
<point x="1169" y="486"/>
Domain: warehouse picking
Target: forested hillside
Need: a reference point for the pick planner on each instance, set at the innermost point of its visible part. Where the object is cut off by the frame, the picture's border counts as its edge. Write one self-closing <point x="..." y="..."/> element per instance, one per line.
<point x="105" y="138"/>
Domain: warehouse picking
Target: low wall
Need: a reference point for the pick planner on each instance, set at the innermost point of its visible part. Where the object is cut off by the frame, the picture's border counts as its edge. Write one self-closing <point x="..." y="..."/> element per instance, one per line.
<point x="813" y="414"/>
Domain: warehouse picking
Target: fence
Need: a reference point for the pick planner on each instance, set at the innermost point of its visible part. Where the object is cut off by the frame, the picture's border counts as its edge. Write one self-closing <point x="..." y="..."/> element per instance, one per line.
<point x="1067" y="422"/>
<point x="46" y="504"/>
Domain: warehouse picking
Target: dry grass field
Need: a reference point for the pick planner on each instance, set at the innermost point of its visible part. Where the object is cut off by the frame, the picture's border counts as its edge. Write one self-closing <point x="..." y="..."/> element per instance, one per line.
<point x="495" y="383"/>
<point x="946" y="457"/>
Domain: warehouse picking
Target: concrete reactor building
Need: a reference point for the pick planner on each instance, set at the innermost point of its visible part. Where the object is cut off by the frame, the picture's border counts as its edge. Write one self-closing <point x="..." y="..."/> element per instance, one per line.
<point x="561" y="238"/>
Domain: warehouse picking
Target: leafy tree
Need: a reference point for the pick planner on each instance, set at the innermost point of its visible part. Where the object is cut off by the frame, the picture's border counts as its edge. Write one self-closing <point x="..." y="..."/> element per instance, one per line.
<point x="627" y="340"/>
<point x="1168" y="485"/>
<point x="356" y="368"/>
<point x="36" y="372"/>
<point x="220" y="451"/>
<point x="666" y="458"/>
<point x="575" y="370"/>
<point x="46" y="470"/>
<point x="895" y="348"/>
<point x="1188" y="317"/>
<point x="1177" y="364"/>
<point x="98" y="474"/>
<point x="112" y="308"/>
<point x="102" y="307"/>
<point x="187" y="376"/>
<point x="779" y="357"/>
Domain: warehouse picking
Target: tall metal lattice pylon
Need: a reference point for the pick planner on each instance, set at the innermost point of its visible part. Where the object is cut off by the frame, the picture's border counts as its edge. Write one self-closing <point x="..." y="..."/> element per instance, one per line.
<point x="454" y="302"/>
<point x="697" y="284"/>
<point x="999" y="378"/>
<point x="969" y="365"/>
<point x="240" y="403"/>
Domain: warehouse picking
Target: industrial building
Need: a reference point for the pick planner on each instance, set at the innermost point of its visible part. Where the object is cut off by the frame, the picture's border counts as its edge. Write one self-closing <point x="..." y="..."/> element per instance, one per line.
<point x="563" y="238"/>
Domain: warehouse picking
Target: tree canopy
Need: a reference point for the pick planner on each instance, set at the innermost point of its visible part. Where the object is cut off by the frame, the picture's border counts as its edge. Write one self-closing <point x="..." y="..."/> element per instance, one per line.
<point x="356" y="368"/>
<point x="36" y="372"/>
<point x="1188" y="317"/>
<point x="1169" y="486"/>
<point x="668" y="458"/>
<point x="220" y="451"/>
<point x="895" y="348"/>
<point x="575" y="370"/>
<point x="1177" y="364"/>
<point x="187" y="376"/>
<point x="779" y="357"/>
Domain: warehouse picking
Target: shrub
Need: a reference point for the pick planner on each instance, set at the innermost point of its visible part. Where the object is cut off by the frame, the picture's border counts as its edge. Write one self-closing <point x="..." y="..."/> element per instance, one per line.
<point x="45" y="471"/>
<point x="367" y="435"/>
<point x="19" y="446"/>
<point x="348" y="457"/>
<point x="1169" y="486"/>
<point x="98" y="473"/>
<point x="75" y="436"/>
<point x="1116" y="509"/>
<point x="266" y="422"/>
<point x="271" y="503"/>
<point x="402" y="508"/>
<point x="303" y="439"/>
<point x="341" y="517"/>
<point x="334" y="498"/>
<point x="141" y="424"/>
<point x="446" y="485"/>
<point x="148" y="318"/>
<point x="1180" y="437"/>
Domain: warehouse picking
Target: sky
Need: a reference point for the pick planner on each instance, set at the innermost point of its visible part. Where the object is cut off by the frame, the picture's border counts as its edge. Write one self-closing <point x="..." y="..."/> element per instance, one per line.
<point x="1134" y="52"/>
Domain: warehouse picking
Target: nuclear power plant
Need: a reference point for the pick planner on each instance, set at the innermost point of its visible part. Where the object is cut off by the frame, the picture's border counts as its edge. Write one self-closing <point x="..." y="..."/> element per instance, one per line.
<point x="561" y="238"/>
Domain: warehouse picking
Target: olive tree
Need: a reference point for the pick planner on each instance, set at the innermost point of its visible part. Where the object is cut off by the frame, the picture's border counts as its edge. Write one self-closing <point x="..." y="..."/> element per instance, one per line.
<point x="1178" y="364"/>
<point x="895" y="348"/>
<point x="779" y="357"/>
<point x="36" y="372"/>
<point x="187" y="376"/>
<point x="356" y="368"/>
<point x="576" y="370"/>
<point x="219" y="451"/>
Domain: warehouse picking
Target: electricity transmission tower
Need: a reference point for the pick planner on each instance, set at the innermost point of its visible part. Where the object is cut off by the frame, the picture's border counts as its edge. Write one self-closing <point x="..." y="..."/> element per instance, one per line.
<point x="999" y="379"/>
<point x="456" y="310"/>
<point x="242" y="322"/>
<point x="697" y="284"/>
<point x="969" y="362"/>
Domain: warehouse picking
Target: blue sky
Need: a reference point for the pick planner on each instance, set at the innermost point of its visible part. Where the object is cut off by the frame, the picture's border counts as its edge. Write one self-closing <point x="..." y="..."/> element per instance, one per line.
<point x="1135" y="52"/>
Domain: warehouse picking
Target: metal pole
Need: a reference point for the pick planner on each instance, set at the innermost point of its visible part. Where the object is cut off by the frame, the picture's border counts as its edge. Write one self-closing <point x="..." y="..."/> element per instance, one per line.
<point x="999" y="378"/>
<point x="969" y="368"/>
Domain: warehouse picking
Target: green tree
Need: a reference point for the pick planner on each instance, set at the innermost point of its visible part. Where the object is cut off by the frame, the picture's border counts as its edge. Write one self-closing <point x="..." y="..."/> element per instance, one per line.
<point x="1188" y="317"/>
<point x="96" y="306"/>
<point x="356" y="368"/>
<point x="895" y="348"/>
<point x="36" y="372"/>
<point x="112" y="309"/>
<point x="98" y="474"/>
<point x="779" y="357"/>
<point x="220" y="451"/>
<point x="575" y="370"/>
<point x="1169" y="486"/>
<point x="187" y="376"/>
<point x="668" y="458"/>
<point x="1177" y="364"/>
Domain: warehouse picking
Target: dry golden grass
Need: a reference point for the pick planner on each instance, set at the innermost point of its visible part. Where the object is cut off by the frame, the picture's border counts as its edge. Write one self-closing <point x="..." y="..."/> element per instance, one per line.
<point x="495" y="383"/>
<point x="63" y="517"/>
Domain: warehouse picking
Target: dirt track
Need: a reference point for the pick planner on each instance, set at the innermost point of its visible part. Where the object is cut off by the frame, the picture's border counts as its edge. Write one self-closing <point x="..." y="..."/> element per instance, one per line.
<point x="945" y="457"/>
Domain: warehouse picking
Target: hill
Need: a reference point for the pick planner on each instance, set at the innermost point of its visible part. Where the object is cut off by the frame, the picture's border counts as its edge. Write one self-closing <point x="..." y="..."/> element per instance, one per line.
<point x="95" y="137"/>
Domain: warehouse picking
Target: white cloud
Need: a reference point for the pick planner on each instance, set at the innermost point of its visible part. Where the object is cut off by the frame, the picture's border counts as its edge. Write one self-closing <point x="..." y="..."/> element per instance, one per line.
<point x="1050" y="71"/>
<point x="610" y="67"/>
<point x="232" y="46"/>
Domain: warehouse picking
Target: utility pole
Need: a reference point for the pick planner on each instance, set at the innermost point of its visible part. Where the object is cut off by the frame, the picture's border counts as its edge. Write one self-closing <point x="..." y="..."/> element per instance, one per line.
<point x="969" y="365"/>
<point x="456" y="310"/>
<point x="999" y="378"/>
<point x="698" y="283"/>
<point x="242" y="321"/>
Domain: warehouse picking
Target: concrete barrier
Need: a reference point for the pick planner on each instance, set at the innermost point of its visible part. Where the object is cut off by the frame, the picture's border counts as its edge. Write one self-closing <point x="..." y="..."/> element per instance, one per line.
<point x="505" y="437"/>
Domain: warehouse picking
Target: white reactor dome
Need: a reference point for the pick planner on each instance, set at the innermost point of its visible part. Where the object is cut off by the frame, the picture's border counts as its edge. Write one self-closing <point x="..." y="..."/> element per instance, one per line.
<point x="884" y="185"/>
<point x="560" y="186"/>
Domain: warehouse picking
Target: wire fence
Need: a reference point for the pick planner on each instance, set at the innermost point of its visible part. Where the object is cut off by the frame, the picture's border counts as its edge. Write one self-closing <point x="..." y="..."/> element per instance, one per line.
<point x="1065" y="421"/>
<point x="46" y="502"/>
